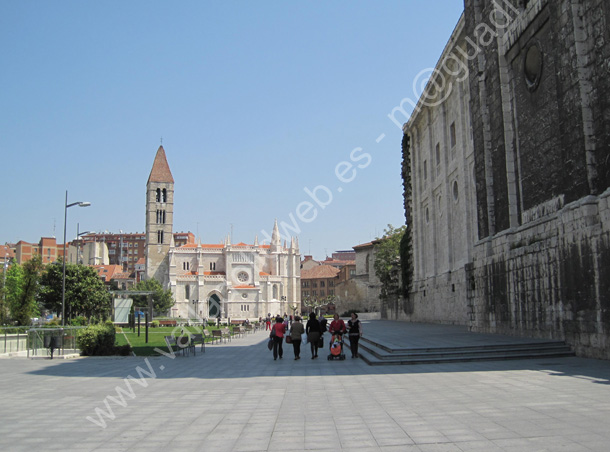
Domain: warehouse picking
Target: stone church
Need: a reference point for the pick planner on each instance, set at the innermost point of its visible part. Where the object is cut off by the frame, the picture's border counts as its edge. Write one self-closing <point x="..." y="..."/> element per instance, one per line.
<point x="506" y="171"/>
<point x="236" y="281"/>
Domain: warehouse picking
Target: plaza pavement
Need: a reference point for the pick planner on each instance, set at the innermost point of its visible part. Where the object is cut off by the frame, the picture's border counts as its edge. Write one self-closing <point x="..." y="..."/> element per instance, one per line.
<point x="235" y="397"/>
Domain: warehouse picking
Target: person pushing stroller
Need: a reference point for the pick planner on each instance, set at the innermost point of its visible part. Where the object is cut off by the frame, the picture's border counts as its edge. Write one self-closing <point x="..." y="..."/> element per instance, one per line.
<point x="337" y="326"/>
<point x="336" y="329"/>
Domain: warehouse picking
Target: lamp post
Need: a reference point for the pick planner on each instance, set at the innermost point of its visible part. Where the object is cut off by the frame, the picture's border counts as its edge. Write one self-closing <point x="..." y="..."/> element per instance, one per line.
<point x="63" y="283"/>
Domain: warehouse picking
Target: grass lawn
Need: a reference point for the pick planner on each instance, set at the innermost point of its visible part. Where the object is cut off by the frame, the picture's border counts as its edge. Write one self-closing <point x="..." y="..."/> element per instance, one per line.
<point x="155" y="338"/>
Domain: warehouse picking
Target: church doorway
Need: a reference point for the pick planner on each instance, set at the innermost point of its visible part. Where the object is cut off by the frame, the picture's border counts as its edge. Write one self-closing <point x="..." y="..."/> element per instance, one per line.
<point x="214" y="306"/>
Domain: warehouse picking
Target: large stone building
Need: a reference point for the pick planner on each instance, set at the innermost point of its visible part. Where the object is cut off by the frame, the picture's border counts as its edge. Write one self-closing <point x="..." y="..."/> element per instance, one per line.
<point x="236" y="281"/>
<point x="506" y="173"/>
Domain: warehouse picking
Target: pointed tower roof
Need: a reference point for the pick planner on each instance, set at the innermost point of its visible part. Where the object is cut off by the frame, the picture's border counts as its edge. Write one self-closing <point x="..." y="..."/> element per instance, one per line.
<point x="160" y="171"/>
<point x="275" y="235"/>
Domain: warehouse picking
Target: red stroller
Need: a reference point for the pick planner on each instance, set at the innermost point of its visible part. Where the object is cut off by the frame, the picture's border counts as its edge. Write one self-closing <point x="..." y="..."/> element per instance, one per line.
<point x="336" y="347"/>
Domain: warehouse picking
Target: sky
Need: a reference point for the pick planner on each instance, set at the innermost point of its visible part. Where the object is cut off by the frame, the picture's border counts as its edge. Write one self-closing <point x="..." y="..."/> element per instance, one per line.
<point x="266" y="110"/>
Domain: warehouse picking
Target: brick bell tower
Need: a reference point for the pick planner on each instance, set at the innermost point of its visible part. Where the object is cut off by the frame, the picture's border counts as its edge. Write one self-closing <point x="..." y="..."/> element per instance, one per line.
<point x="159" y="219"/>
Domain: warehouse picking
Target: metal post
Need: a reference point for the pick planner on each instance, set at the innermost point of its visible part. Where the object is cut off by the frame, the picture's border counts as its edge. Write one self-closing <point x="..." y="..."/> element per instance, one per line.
<point x="63" y="281"/>
<point x="138" y="325"/>
<point x="146" y="326"/>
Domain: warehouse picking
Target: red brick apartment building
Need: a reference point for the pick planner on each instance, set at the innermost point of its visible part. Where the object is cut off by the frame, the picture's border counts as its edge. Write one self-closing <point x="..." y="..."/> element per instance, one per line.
<point x="48" y="249"/>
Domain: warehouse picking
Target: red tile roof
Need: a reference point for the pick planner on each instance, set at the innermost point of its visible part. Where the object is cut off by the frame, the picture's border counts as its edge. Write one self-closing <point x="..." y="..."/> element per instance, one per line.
<point x="160" y="171"/>
<point x="320" y="271"/>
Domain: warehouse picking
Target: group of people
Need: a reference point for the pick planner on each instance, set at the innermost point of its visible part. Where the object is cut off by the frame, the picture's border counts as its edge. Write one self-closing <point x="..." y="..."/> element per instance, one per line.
<point x="313" y="330"/>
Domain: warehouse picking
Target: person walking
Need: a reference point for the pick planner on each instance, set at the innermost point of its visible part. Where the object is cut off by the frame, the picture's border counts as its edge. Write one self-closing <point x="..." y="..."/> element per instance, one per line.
<point x="355" y="332"/>
<point x="295" y="334"/>
<point x="313" y="334"/>
<point x="268" y="322"/>
<point x="323" y="323"/>
<point x="277" y="333"/>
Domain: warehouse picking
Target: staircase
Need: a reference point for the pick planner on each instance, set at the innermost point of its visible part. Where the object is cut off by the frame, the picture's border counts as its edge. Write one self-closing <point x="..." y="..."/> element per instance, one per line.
<point x="376" y="354"/>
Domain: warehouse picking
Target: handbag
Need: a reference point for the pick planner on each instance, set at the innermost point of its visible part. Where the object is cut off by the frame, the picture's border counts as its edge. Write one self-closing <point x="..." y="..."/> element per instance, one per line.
<point x="288" y="339"/>
<point x="272" y="333"/>
<point x="321" y="342"/>
<point x="270" y="344"/>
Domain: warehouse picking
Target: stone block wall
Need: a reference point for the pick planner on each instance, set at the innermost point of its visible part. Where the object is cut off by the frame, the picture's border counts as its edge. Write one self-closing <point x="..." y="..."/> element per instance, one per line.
<point x="549" y="279"/>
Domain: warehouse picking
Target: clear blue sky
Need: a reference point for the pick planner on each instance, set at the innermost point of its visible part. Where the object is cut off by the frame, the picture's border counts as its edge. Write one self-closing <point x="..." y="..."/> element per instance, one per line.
<point x="256" y="101"/>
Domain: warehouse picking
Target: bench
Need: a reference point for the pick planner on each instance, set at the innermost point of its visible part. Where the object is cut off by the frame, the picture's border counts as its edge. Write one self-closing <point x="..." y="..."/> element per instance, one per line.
<point x="226" y="334"/>
<point x="216" y="334"/>
<point x="182" y="343"/>
<point x="198" y="339"/>
<point x="208" y="335"/>
<point x="238" y="330"/>
<point x="168" y="323"/>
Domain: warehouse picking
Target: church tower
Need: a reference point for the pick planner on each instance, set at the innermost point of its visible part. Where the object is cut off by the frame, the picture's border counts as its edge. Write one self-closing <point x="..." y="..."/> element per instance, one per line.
<point x="159" y="219"/>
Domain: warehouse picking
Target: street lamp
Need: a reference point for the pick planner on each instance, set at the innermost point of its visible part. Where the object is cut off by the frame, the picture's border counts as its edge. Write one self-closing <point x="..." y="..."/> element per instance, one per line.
<point x="63" y="283"/>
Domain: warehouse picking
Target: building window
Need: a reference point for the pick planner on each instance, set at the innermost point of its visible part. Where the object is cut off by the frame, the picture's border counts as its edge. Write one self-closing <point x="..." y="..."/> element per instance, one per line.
<point x="331" y="292"/>
<point x="331" y="284"/>
<point x="305" y="284"/>
<point x="212" y="265"/>
<point x="159" y="236"/>
<point x="438" y="154"/>
<point x="532" y="67"/>
<point x="321" y="283"/>
<point x="452" y="139"/>
<point x="455" y="191"/>
<point x="187" y="292"/>
<point x="158" y="197"/>
<point x="425" y="170"/>
<point x="438" y="159"/>
<point x="242" y="277"/>
<point x="186" y="265"/>
<point x="164" y="195"/>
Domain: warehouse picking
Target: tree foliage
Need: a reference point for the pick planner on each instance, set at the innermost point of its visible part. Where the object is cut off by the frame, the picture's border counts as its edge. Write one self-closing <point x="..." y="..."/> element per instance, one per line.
<point x="162" y="299"/>
<point x="387" y="259"/>
<point x="22" y="283"/>
<point x="86" y="294"/>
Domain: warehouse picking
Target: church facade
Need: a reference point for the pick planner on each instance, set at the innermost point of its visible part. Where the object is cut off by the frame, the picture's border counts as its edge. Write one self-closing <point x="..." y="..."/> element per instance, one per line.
<point x="236" y="281"/>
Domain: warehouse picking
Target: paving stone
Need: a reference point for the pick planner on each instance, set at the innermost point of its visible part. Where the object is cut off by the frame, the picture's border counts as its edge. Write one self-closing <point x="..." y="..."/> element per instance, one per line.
<point x="202" y="403"/>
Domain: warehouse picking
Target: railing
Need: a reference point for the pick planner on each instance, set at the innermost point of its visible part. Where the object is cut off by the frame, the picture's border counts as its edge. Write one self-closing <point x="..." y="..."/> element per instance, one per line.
<point x="63" y="340"/>
<point x="14" y="340"/>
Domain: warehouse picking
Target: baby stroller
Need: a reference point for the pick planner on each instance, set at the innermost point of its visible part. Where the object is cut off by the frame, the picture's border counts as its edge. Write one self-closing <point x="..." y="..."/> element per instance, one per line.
<point x="336" y="347"/>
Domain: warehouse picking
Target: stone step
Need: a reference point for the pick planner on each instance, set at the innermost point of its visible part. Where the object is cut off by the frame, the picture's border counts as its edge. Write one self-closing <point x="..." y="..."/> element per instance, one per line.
<point x="379" y="354"/>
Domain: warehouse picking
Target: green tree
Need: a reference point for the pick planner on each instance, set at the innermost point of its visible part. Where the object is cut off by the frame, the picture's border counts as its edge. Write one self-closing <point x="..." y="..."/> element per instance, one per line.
<point x="86" y="294"/>
<point x="387" y="259"/>
<point x="162" y="299"/>
<point x="22" y="285"/>
<point x="3" y="303"/>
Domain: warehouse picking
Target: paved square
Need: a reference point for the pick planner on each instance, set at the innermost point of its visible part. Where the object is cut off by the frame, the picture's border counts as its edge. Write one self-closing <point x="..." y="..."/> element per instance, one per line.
<point x="236" y="398"/>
